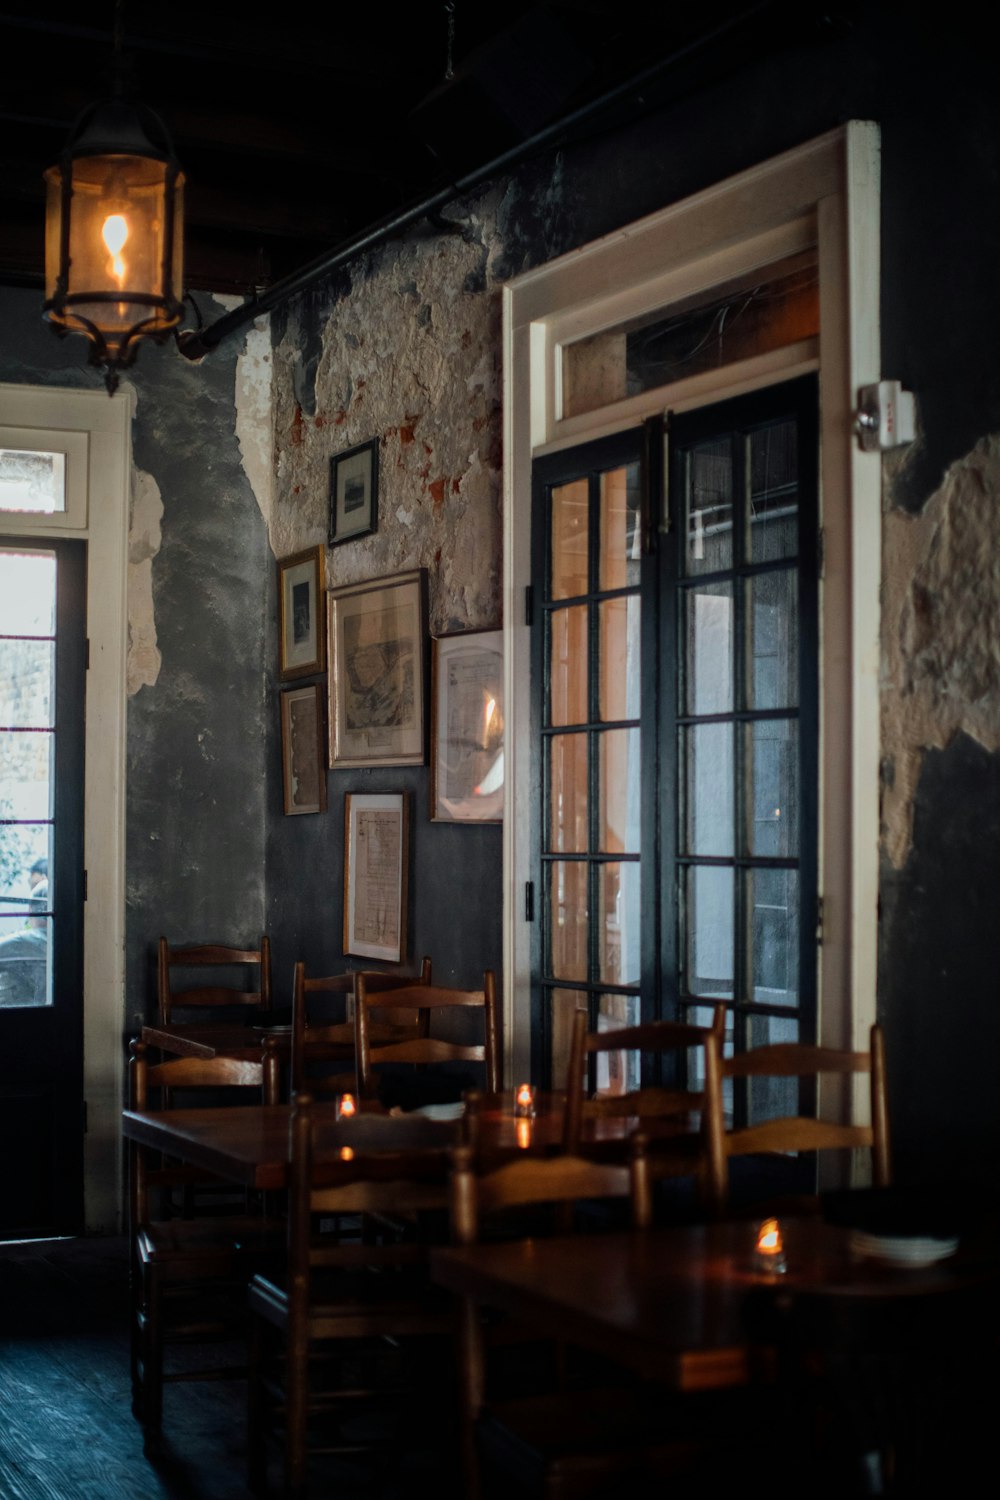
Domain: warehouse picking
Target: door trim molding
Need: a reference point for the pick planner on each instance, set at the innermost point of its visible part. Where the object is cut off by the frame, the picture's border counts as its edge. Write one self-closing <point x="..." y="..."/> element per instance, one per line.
<point x="107" y="422"/>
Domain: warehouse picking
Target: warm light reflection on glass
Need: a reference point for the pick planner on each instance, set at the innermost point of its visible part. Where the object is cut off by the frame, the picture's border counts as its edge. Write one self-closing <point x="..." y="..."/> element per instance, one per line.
<point x="347" y="1153"/>
<point x="523" y="1128"/>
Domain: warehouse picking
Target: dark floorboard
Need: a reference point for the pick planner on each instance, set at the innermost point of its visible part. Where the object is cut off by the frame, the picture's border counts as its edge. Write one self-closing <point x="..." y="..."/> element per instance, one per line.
<point x="66" y="1425"/>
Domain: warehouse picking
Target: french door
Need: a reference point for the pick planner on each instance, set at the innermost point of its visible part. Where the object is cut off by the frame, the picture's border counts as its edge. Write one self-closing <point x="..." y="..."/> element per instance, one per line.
<point x="674" y="618"/>
<point x="42" y="678"/>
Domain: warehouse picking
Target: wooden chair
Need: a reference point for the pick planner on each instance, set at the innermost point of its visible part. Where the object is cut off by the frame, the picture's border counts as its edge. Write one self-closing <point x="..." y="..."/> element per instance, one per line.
<point x="677" y="1148"/>
<point x="256" y="963"/>
<point x="425" y="1049"/>
<point x="575" y="1439"/>
<point x="189" y="1275"/>
<point x="340" y="1301"/>
<point x="318" y="1045"/>
<point x="794" y="1133"/>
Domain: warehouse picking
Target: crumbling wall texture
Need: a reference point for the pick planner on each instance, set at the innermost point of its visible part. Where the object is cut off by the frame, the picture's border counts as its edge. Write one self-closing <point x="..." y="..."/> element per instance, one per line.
<point x="410" y="354"/>
<point x="940" y="633"/>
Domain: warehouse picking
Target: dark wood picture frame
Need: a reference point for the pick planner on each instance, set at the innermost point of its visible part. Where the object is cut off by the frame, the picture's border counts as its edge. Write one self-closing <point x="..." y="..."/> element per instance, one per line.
<point x="353" y="493"/>
<point x="301" y="614"/>
<point x="303" y="749"/>
<point x="376" y="874"/>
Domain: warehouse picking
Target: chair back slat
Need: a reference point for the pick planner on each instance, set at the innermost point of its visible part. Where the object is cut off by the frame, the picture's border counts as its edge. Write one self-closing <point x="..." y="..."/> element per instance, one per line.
<point x="200" y="992"/>
<point x="422" y="1049"/>
<point x="316" y="1044"/>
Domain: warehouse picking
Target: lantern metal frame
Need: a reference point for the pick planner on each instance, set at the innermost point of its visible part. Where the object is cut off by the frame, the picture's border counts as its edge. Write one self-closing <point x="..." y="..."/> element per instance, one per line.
<point x="116" y="128"/>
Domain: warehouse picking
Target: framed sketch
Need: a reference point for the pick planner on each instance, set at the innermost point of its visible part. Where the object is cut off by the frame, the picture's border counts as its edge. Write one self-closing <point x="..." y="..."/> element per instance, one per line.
<point x="302" y="633"/>
<point x="354" y="492"/>
<point x="376" y="854"/>
<point x="467" y="727"/>
<point x="303" y="750"/>
<point x="377" y="678"/>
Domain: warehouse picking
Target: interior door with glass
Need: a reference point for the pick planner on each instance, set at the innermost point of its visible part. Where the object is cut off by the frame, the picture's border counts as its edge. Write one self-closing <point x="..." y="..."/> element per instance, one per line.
<point x="42" y="679"/>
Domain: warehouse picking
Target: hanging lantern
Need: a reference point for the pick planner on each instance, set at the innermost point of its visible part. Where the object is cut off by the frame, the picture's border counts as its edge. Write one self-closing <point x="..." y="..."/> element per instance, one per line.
<point x="114" y="240"/>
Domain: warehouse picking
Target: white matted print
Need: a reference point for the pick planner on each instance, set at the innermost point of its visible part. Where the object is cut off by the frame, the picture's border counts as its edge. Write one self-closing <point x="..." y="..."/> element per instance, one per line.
<point x="376" y="852"/>
<point x="467" y="727"/>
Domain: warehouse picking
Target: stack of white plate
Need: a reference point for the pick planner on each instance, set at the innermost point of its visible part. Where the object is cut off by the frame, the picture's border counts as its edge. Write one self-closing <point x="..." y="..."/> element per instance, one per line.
<point x="903" y="1249"/>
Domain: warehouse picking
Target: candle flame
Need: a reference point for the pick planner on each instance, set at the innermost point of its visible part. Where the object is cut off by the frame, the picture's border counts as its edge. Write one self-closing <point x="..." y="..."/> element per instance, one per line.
<point x="114" y="233"/>
<point x="347" y="1105"/>
<point x="524" y="1094"/>
<point x="769" y="1238"/>
<point x="347" y="1153"/>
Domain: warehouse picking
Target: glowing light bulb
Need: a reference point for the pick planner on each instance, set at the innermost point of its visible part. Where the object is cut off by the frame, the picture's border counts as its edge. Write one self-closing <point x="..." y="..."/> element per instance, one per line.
<point x="114" y="233"/>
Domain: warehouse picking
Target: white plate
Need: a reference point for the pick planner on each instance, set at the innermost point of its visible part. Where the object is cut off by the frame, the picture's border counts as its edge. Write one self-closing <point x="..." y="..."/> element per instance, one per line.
<point x="441" y="1111"/>
<point x="902" y="1250"/>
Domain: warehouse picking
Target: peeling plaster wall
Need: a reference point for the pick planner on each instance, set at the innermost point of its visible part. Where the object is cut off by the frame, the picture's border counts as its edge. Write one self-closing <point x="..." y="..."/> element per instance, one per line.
<point x="940" y="633"/>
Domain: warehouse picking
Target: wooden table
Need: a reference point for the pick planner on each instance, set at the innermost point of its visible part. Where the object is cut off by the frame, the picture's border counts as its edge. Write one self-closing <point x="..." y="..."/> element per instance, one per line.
<point x="249" y="1144"/>
<point x="669" y="1304"/>
<point x="221" y="1039"/>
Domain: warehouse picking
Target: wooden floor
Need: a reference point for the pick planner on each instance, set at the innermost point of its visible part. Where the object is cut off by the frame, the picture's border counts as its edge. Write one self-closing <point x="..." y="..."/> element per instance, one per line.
<point x="66" y="1425"/>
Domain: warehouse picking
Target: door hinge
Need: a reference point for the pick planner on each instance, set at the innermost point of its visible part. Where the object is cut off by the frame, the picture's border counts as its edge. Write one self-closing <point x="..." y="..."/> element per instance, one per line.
<point x="529" y="900"/>
<point x="529" y="604"/>
<point x="86" y="885"/>
<point x="819" y="921"/>
<point x="86" y="655"/>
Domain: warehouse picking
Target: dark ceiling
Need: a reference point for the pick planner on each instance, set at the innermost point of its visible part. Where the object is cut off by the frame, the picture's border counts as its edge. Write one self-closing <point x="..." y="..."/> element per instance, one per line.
<point x="295" y="136"/>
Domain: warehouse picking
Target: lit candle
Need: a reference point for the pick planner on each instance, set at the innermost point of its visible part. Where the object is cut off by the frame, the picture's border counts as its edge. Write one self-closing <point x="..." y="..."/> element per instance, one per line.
<point x="524" y="1101"/>
<point x="346" y="1107"/>
<point x="770" y="1247"/>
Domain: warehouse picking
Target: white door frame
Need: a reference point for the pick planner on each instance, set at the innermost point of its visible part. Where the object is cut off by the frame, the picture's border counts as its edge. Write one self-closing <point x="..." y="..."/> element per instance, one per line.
<point x="52" y="413"/>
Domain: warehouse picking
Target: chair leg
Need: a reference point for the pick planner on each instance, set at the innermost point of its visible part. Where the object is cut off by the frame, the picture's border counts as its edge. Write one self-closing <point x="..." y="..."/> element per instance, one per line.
<point x="151" y="1356"/>
<point x="256" y="1410"/>
<point x="296" y="1402"/>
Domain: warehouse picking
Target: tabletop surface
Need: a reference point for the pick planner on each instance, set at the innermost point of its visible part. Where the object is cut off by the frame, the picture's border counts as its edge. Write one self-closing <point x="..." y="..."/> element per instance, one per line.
<point x="249" y="1143"/>
<point x="672" y="1301"/>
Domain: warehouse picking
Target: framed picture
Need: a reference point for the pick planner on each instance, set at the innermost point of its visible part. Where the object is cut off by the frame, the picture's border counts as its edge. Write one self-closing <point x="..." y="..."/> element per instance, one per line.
<point x="467" y="727"/>
<point x="354" y="492"/>
<point x="377" y="678"/>
<point x="302" y="634"/>
<point x="376" y="854"/>
<point x="303" y="750"/>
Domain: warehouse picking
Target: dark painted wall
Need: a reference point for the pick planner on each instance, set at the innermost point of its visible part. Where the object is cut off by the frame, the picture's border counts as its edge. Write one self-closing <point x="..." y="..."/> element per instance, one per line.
<point x="195" y="804"/>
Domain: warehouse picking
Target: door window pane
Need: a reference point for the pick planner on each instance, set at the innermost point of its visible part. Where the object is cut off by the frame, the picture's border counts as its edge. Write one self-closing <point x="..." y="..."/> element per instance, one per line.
<point x="708" y="656"/>
<point x="772" y="788"/>
<point x="619" y="646"/>
<point x="620" y="532"/>
<point x="619" y="812"/>
<point x="707" y="759"/>
<point x="772" y="640"/>
<point x="26" y="774"/>
<point x="25" y="946"/>
<point x="708" y="928"/>
<point x="617" y="1072"/>
<point x="31" y="482"/>
<point x="568" y="670"/>
<point x="773" y="522"/>
<point x="26" y="683"/>
<point x="569" y="511"/>
<point x="568" y="803"/>
<point x="708" y="508"/>
<point x="618" y="935"/>
<point x="563" y="1005"/>
<point x="568" y="919"/>
<point x="772" y="907"/>
<point x="27" y="593"/>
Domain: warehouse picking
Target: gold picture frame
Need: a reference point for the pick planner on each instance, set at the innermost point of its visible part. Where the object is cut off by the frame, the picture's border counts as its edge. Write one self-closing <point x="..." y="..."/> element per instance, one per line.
<point x="376" y="863"/>
<point x="301" y="617"/>
<point x="377" y="685"/>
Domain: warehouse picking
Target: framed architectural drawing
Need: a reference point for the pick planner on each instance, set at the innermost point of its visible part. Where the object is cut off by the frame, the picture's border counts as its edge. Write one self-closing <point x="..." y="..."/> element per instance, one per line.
<point x="354" y="492"/>
<point x="301" y="626"/>
<point x="376" y="854"/>
<point x="467" y="727"/>
<point x="377" y="678"/>
<point x="303" y="750"/>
